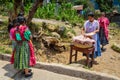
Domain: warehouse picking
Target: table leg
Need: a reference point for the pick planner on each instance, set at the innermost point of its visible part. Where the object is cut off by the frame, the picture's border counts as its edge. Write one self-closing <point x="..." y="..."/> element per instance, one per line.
<point x="71" y="50"/>
<point x="87" y="62"/>
<point x="92" y="58"/>
<point x="76" y="55"/>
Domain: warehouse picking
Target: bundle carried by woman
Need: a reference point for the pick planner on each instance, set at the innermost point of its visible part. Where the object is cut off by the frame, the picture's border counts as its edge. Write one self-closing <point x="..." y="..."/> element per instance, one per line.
<point x="83" y="41"/>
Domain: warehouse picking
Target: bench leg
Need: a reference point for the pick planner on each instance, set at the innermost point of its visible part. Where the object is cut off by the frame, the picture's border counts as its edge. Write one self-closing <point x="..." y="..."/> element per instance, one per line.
<point x="70" y="61"/>
<point x="92" y="58"/>
<point x="75" y="55"/>
<point x="87" y="62"/>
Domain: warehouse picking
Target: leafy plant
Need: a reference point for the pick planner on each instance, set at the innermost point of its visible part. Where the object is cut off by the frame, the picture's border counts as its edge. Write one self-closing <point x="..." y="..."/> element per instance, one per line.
<point x="6" y="7"/>
<point x="105" y="5"/>
<point x="27" y="8"/>
<point x="116" y="47"/>
<point x="65" y="13"/>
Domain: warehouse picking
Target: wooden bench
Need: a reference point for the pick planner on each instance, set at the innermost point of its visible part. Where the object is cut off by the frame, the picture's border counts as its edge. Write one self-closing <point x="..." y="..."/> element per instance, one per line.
<point x="86" y="51"/>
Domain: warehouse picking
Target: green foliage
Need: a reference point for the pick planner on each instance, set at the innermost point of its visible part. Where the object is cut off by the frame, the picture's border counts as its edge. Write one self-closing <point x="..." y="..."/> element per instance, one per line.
<point x="27" y="8"/>
<point x="4" y="1"/>
<point x="6" y="7"/>
<point x="105" y="5"/>
<point x="64" y="13"/>
<point x="86" y="3"/>
<point x="46" y="11"/>
<point x="5" y="49"/>
<point x="114" y="25"/>
<point x="116" y="47"/>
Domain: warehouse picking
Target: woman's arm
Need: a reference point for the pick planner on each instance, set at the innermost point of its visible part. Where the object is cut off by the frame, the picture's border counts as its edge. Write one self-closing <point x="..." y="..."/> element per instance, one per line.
<point x="94" y="32"/>
<point x="97" y="28"/>
<point x="83" y="31"/>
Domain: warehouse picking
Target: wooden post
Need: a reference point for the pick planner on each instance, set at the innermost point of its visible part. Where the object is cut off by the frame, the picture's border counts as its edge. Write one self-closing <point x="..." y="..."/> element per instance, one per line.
<point x="70" y="61"/>
<point x="76" y="55"/>
<point x="92" y="57"/>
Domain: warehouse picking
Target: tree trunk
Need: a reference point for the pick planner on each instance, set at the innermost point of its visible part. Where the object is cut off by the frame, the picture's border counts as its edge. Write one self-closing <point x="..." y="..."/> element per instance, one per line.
<point x="33" y="10"/>
<point x="17" y="4"/>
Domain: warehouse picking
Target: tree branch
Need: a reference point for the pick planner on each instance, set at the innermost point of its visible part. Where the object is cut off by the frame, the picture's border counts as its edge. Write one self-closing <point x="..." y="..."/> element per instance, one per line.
<point x="33" y="10"/>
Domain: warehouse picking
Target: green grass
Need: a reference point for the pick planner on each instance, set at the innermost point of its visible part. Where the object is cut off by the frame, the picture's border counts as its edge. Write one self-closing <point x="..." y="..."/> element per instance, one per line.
<point x="4" y="35"/>
<point x="116" y="47"/>
<point x="4" y="39"/>
<point x="5" y="49"/>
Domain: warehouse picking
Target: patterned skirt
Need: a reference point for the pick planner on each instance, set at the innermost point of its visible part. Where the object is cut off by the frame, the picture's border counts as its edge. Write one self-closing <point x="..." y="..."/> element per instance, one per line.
<point x="103" y="38"/>
<point x="13" y="44"/>
<point x="22" y="55"/>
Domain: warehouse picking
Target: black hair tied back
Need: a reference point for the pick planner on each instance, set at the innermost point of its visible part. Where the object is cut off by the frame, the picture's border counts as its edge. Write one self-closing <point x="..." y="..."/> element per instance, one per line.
<point x="10" y="26"/>
<point x="21" y="19"/>
<point x="91" y="14"/>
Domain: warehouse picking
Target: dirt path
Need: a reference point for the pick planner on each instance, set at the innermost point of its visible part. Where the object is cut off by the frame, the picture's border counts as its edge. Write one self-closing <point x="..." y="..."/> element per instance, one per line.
<point x="47" y="21"/>
<point x="109" y="62"/>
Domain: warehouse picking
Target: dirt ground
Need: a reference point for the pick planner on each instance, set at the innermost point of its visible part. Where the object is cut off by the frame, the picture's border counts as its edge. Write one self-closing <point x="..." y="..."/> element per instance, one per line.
<point x="109" y="62"/>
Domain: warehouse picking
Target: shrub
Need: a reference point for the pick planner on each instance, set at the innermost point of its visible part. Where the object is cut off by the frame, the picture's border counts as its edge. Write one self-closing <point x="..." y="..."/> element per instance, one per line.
<point x="116" y="47"/>
<point x="64" y="13"/>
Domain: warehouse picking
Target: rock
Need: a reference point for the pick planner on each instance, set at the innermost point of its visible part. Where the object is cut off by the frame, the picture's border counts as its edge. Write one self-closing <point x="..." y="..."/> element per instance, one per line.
<point x="113" y="58"/>
<point x="66" y="22"/>
<point x="52" y="27"/>
<point x="49" y="41"/>
<point x="79" y="24"/>
<point x="3" y="32"/>
<point x="55" y="34"/>
<point x="44" y="25"/>
<point x="70" y="35"/>
<point x="61" y="30"/>
<point x="1" y="21"/>
<point x="110" y="36"/>
<point x="53" y="44"/>
<point x="40" y="51"/>
<point x="68" y="26"/>
<point x="60" y="47"/>
<point x="116" y="47"/>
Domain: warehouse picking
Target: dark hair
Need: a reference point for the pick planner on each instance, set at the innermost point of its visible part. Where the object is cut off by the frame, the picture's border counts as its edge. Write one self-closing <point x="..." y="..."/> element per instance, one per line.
<point x="10" y="26"/>
<point x="20" y="14"/>
<point x="91" y="14"/>
<point x="21" y="19"/>
<point x="15" y="22"/>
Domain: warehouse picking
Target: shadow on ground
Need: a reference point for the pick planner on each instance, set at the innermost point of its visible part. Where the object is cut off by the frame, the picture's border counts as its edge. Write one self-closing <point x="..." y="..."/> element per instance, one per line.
<point x="13" y="73"/>
<point x="59" y="69"/>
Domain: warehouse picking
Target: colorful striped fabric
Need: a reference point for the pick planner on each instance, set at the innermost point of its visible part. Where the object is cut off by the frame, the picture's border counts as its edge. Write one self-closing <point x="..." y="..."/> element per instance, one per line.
<point x="22" y="55"/>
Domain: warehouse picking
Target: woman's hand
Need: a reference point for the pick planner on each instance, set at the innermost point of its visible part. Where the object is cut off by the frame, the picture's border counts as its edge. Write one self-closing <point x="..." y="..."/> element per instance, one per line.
<point x="90" y="34"/>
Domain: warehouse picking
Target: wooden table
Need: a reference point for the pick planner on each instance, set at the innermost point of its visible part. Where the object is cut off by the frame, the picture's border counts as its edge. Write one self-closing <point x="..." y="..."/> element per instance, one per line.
<point x="86" y="51"/>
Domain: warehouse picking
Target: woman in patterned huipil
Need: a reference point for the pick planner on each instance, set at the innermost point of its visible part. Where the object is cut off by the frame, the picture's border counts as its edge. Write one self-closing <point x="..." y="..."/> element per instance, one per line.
<point x="24" y="52"/>
<point x="92" y="26"/>
<point x="103" y="33"/>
